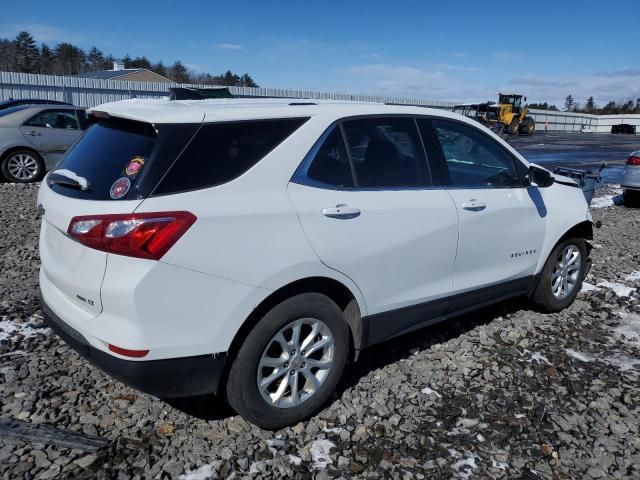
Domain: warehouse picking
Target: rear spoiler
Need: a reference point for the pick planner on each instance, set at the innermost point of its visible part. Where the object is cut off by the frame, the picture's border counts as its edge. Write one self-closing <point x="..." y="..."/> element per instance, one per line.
<point x="182" y="93"/>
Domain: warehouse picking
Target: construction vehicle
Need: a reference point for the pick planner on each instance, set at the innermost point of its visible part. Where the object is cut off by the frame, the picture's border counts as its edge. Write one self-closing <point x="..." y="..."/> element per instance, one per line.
<point x="507" y="117"/>
<point x="512" y="115"/>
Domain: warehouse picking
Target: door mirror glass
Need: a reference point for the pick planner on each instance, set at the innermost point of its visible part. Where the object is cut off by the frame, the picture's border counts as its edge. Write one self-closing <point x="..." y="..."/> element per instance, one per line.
<point x="540" y="177"/>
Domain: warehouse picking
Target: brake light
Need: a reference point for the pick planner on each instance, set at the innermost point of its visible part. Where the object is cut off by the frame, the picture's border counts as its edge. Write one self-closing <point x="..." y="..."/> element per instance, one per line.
<point x="634" y="159"/>
<point x="125" y="352"/>
<point x="142" y="235"/>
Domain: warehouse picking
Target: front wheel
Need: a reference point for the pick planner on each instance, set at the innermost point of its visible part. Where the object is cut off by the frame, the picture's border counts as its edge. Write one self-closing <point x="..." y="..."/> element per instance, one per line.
<point x="290" y="362"/>
<point x="562" y="276"/>
<point x="22" y="166"/>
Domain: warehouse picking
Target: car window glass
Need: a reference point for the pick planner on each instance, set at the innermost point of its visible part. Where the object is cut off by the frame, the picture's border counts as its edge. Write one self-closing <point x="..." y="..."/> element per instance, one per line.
<point x="386" y="152"/>
<point x="331" y="164"/>
<point x="221" y="152"/>
<point x="65" y="119"/>
<point x="474" y="159"/>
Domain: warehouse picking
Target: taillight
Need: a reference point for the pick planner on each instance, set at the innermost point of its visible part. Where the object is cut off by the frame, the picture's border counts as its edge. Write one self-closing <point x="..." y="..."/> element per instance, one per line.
<point x="634" y="159"/>
<point x="142" y="235"/>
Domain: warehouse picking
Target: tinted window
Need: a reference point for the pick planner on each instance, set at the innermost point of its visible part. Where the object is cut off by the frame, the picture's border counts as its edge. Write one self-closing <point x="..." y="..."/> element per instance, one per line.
<point x="54" y="119"/>
<point x="386" y="152"/>
<point x="474" y="159"/>
<point x="331" y="164"/>
<point x="221" y="152"/>
<point x="102" y="155"/>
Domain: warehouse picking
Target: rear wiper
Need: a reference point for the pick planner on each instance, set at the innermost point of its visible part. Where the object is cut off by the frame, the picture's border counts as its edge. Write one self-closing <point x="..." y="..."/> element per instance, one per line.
<point x="67" y="178"/>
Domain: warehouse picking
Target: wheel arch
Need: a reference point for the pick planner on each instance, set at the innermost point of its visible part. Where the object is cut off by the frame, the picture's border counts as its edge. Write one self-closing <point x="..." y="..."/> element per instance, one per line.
<point x="335" y="290"/>
<point x="5" y="153"/>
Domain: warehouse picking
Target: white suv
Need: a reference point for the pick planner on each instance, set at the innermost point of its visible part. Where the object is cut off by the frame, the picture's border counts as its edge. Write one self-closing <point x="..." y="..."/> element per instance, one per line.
<point x="250" y="248"/>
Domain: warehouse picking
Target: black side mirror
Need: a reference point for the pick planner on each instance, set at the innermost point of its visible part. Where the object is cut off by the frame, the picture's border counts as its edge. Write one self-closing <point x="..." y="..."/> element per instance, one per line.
<point x="540" y="177"/>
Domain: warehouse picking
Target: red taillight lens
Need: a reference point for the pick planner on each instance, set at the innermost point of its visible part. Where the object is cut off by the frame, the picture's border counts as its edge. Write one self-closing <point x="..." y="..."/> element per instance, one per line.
<point x="128" y="353"/>
<point x="142" y="235"/>
<point x="633" y="160"/>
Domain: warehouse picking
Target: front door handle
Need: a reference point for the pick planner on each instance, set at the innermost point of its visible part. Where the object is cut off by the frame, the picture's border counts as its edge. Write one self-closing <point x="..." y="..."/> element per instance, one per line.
<point x="33" y="133"/>
<point x="341" y="212"/>
<point x="474" y="205"/>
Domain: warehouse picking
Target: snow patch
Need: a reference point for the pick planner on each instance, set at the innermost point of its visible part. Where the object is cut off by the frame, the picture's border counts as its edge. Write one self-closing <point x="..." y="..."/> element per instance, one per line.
<point x="519" y="416"/>
<point x="205" y="472"/>
<point x="629" y="327"/>
<point x="294" y="460"/>
<point x="465" y="465"/>
<point x="430" y="391"/>
<point x="607" y="200"/>
<point x="320" y="453"/>
<point x="500" y="465"/>
<point x="587" y="287"/>
<point x="623" y="362"/>
<point x="337" y="430"/>
<point x="618" y="288"/>
<point x="9" y="328"/>
<point x="540" y="358"/>
<point x="583" y="357"/>
<point x="633" y="276"/>
<point x="479" y="437"/>
<point x="83" y="182"/>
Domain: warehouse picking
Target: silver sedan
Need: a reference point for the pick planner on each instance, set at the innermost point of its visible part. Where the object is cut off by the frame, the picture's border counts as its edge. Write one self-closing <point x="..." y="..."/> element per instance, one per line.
<point x="631" y="179"/>
<point x="33" y="139"/>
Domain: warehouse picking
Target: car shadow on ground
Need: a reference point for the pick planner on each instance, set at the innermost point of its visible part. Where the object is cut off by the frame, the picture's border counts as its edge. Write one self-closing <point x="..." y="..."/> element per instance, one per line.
<point x="213" y="408"/>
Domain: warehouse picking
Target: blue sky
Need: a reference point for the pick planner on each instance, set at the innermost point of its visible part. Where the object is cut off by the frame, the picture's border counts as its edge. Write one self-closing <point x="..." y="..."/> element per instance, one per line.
<point x="463" y="50"/>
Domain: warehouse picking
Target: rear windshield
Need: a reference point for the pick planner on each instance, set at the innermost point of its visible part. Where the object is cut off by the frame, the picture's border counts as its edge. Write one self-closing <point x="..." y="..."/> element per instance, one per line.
<point x="221" y="152"/>
<point x="102" y="156"/>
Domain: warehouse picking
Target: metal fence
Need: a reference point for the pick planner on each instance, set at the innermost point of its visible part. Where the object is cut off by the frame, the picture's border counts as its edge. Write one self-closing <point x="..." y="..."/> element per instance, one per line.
<point x="89" y="92"/>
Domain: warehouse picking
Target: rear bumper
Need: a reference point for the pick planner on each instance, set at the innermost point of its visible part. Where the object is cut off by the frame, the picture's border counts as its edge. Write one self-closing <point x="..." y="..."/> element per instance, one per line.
<point x="170" y="378"/>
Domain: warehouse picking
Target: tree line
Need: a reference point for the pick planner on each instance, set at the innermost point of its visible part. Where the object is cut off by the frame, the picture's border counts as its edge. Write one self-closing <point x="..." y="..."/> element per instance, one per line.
<point x="610" y="108"/>
<point x="22" y="54"/>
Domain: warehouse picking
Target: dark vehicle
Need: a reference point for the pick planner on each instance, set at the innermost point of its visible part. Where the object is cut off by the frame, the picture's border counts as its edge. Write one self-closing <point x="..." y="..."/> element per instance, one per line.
<point x="624" y="129"/>
<point x="29" y="101"/>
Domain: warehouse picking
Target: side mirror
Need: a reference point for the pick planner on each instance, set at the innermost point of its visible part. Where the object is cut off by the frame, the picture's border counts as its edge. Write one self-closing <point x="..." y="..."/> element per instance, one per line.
<point x="540" y="177"/>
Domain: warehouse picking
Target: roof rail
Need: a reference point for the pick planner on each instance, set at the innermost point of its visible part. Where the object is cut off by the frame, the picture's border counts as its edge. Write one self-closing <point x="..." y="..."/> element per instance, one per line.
<point x="183" y="93"/>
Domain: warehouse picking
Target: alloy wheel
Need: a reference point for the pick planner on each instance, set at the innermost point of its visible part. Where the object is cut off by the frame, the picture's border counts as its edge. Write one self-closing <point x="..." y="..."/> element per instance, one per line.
<point x="23" y="166"/>
<point x="566" y="272"/>
<point x="295" y="363"/>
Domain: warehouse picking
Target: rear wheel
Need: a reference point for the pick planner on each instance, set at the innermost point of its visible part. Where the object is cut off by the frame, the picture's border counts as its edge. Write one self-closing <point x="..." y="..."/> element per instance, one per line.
<point x="562" y="275"/>
<point x="22" y="166"/>
<point x="290" y="363"/>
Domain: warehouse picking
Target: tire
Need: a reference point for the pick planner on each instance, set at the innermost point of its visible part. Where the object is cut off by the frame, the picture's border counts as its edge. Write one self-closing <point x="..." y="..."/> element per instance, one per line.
<point x="263" y="406"/>
<point x="22" y="166"/>
<point x="631" y="198"/>
<point x="544" y="296"/>
<point x="528" y="126"/>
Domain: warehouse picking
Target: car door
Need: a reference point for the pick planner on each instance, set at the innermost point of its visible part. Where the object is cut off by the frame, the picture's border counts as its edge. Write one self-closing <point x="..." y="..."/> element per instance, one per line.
<point x="502" y="220"/>
<point x="366" y="200"/>
<point x="52" y="132"/>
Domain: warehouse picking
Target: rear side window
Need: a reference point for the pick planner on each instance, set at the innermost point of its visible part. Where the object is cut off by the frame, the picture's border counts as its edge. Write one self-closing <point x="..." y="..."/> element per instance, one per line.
<point x="65" y="119"/>
<point x="331" y="164"/>
<point x="221" y="152"/>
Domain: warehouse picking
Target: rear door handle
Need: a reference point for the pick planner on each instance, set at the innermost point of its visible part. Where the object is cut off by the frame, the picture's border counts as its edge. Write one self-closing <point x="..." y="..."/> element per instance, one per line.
<point x="341" y="212"/>
<point x="474" y="205"/>
<point x="33" y="133"/>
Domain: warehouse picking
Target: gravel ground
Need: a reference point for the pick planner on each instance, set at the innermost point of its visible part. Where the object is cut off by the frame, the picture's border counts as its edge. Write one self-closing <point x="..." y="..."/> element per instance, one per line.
<point x="502" y="393"/>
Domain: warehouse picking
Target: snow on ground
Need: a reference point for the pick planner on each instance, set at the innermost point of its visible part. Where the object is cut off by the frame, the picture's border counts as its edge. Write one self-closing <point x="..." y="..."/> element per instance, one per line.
<point x="629" y="327"/>
<point x="9" y="328"/>
<point x="609" y="200"/>
<point x="587" y="287"/>
<point x="320" y="453"/>
<point x="203" y="473"/>
<point x="465" y="465"/>
<point x="583" y="357"/>
<point x="539" y="358"/>
<point x="618" y="288"/>
<point x="633" y="276"/>
<point x="430" y="391"/>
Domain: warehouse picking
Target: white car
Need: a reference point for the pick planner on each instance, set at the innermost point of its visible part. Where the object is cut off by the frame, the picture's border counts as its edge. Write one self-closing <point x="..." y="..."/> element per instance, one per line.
<point x="251" y="248"/>
<point x="631" y="179"/>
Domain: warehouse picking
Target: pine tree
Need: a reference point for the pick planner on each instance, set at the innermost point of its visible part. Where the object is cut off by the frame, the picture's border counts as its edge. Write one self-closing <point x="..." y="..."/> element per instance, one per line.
<point x="569" y="103"/>
<point x="69" y="59"/>
<point x="590" y="106"/>
<point x="178" y="72"/>
<point x="27" y="54"/>
<point x="95" y="59"/>
<point x="247" y="81"/>
<point x="159" y="68"/>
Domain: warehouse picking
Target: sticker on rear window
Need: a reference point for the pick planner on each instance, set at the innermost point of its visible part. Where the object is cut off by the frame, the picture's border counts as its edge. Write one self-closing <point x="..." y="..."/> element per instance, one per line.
<point x="120" y="188"/>
<point x="134" y="166"/>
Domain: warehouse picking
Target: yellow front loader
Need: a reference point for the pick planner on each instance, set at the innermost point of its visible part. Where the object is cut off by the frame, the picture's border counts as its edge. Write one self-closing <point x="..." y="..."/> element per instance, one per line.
<point x="512" y="115"/>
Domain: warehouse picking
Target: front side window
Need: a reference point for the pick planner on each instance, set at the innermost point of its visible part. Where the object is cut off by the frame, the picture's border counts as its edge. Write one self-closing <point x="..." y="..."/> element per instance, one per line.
<point x="65" y="119"/>
<point x="386" y="153"/>
<point x="473" y="159"/>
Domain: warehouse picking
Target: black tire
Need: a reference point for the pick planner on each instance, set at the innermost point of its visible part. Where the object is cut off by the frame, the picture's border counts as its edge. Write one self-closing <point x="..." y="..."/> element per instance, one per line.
<point x="40" y="168"/>
<point x="631" y="198"/>
<point x="243" y="393"/>
<point x="543" y="295"/>
<point x="528" y="126"/>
